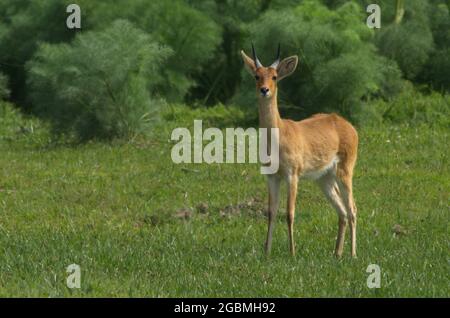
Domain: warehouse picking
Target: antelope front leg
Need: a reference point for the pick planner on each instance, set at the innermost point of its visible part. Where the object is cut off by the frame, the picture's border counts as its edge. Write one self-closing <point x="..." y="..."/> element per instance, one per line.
<point x="292" y="195"/>
<point x="274" y="199"/>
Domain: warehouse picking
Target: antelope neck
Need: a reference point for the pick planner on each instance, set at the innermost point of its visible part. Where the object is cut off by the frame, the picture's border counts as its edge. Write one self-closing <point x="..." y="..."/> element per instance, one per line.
<point x="269" y="117"/>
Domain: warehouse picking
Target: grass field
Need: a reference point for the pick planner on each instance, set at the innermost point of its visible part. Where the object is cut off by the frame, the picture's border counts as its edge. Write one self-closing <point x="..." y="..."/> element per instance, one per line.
<point x="139" y="225"/>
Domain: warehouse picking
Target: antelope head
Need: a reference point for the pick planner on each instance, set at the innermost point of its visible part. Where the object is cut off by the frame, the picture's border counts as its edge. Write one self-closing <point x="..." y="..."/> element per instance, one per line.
<point x="267" y="77"/>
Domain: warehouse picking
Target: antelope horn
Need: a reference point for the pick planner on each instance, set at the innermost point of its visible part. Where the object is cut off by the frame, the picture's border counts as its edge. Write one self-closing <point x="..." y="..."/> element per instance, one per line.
<point x="277" y="61"/>
<point x="255" y="58"/>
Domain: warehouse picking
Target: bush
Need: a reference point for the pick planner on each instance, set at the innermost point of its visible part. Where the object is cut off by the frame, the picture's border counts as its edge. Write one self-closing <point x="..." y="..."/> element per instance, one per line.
<point x="4" y="90"/>
<point x="410" y="52"/>
<point x="437" y="70"/>
<point x="102" y="85"/>
<point x="409" y="107"/>
<point x="219" y="81"/>
<point x="190" y="33"/>
<point x="23" y="25"/>
<point x="217" y="116"/>
<point x="10" y="119"/>
<point x="20" y="129"/>
<point x="193" y="35"/>
<point x="338" y="64"/>
<point x="206" y="37"/>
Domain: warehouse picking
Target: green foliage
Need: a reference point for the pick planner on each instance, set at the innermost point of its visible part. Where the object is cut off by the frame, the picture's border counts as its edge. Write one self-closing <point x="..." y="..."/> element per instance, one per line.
<point x="437" y="70"/>
<point x="190" y="33"/>
<point x="100" y="86"/>
<point x="410" y="107"/>
<point x="410" y="52"/>
<point x="24" y="24"/>
<point x="21" y="130"/>
<point x="220" y="79"/>
<point x="4" y="90"/>
<point x="217" y="116"/>
<point x="413" y="107"/>
<point x="342" y="62"/>
<point x="409" y="40"/>
<point x="338" y="64"/>
<point x="10" y="118"/>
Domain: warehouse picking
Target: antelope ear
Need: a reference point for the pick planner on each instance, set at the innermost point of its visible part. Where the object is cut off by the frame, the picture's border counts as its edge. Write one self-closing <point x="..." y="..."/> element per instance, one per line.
<point x="287" y="66"/>
<point x="249" y="63"/>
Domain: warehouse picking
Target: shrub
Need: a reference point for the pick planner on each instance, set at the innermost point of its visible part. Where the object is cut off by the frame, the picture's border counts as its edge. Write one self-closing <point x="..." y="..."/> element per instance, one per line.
<point x="409" y="107"/>
<point x="206" y="37"/>
<point x="338" y="64"/>
<point x="219" y="80"/>
<point x="20" y="129"/>
<point x="410" y="52"/>
<point x="102" y="85"/>
<point x="414" y="107"/>
<point x="23" y="25"/>
<point x="10" y="119"/>
<point x="408" y="38"/>
<point x="437" y="69"/>
<point x="190" y="33"/>
<point x="215" y="116"/>
<point x="4" y="90"/>
<point x="193" y="35"/>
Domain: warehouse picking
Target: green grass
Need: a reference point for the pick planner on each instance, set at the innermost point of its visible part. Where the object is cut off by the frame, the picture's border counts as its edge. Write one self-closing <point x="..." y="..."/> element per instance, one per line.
<point x="114" y="210"/>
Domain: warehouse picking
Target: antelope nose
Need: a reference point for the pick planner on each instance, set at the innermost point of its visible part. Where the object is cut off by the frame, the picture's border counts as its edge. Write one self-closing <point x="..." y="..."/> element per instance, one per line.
<point x="264" y="90"/>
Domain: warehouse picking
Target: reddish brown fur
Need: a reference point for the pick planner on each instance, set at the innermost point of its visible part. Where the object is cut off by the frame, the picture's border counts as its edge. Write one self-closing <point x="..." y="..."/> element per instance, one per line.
<point x="266" y="75"/>
<point x="308" y="147"/>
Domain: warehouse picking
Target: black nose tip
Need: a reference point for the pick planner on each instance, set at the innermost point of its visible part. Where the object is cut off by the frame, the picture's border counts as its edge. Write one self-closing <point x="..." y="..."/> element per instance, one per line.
<point x="264" y="90"/>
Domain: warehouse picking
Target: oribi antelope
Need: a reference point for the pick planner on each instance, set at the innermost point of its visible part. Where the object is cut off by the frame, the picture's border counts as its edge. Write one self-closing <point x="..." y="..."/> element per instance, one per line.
<point x="322" y="148"/>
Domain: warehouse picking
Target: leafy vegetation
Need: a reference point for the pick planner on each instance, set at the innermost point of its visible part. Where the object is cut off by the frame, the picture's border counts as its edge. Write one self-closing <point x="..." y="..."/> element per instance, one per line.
<point x="343" y="63"/>
<point x="410" y="107"/>
<point x="4" y="90"/>
<point x="24" y="25"/>
<point x="99" y="86"/>
<point x="338" y="64"/>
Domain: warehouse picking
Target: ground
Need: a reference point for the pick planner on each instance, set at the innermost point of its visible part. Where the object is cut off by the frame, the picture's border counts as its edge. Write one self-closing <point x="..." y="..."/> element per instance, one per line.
<point x="139" y="225"/>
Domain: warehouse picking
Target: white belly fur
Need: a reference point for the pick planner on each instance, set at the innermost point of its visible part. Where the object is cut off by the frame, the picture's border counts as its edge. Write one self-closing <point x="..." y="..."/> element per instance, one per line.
<point x="317" y="174"/>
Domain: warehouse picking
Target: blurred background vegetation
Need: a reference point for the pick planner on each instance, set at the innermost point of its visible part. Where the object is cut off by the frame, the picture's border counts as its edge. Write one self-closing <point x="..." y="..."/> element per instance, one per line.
<point x="134" y="60"/>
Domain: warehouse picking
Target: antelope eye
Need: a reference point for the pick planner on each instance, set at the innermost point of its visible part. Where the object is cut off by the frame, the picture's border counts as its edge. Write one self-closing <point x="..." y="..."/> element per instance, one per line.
<point x="256" y="77"/>
<point x="274" y="78"/>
